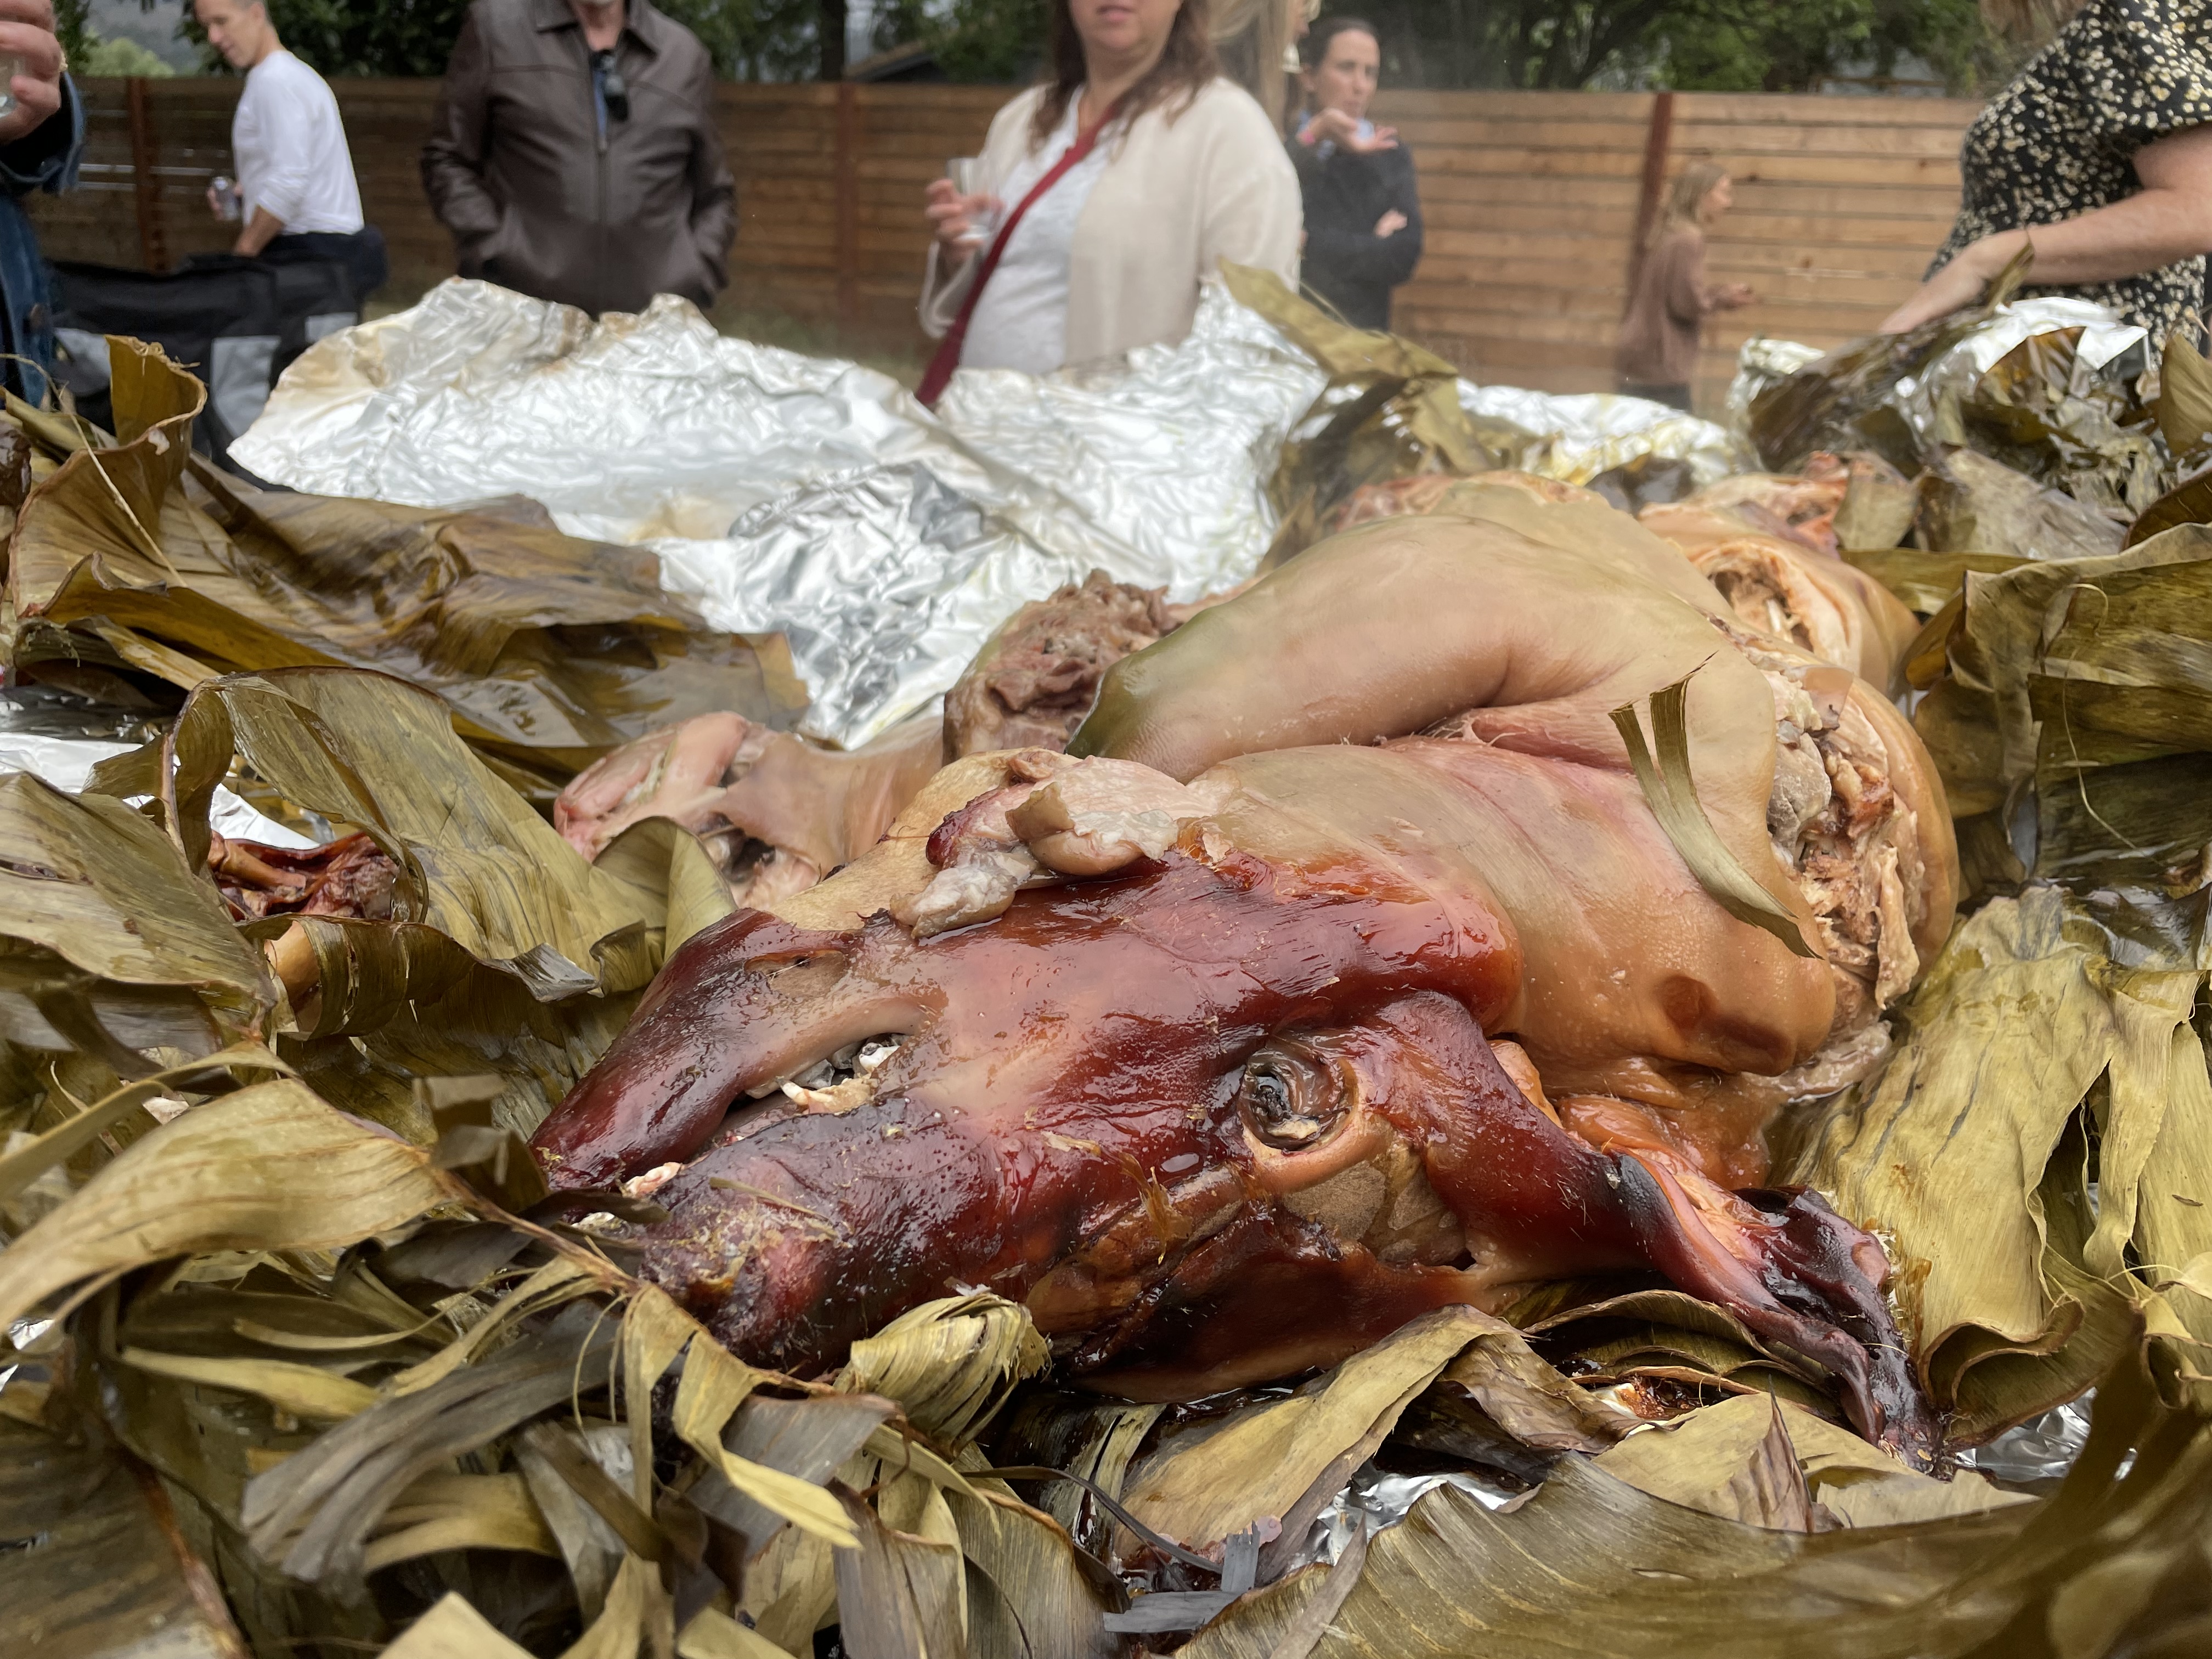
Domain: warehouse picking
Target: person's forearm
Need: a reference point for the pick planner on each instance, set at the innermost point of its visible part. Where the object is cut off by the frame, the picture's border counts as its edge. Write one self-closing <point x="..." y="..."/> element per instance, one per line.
<point x="262" y="229"/>
<point x="2150" y="229"/>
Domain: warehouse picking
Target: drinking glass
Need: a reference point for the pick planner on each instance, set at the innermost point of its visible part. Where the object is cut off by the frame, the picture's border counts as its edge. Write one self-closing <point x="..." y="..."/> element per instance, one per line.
<point x="966" y="172"/>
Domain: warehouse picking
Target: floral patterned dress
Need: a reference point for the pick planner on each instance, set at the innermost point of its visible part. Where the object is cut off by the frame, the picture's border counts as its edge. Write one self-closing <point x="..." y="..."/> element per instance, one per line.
<point x="2062" y="139"/>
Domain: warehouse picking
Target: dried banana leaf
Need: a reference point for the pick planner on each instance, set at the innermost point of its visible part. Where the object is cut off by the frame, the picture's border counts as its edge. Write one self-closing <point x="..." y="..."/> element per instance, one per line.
<point x="1946" y="1151"/>
<point x="1287" y="1458"/>
<point x="1391" y="409"/>
<point x="1841" y="401"/>
<point x="478" y="864"/>
<point x="267" y="1168"/>
<point x="2044" y="413"/>
<point x="1672" y="795"/>
<point x="2114" y="1563"/>
<point x="93" y="1562"/>
<point x="1722" y="1459"/>
<point x="2189" y="501"/>
<point x="508" y="954"/>
<point x="1925" y="582"/>
<point x="112" y="944"/>
<point x="1968" y="499"/>
<point x="546" y="649"/>
<point x="1979" y="722"/>
<point x="950" y="1365"/>
<point x="1879" y="506"/>
<point x="2184" y="401"/>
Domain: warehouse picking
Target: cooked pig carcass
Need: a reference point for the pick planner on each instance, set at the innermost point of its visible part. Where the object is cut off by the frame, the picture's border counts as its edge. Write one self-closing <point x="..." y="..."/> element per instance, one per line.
<point x="776" y="812"/>
<point x="350" y="877"/>
<point x="1033" y="682"/>
<point x="1258" y="1026"/>
<point x="1812" y="601"/>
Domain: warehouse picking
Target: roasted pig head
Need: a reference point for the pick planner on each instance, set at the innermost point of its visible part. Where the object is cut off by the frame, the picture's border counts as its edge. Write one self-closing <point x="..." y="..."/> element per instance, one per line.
<point x="1233" y="1043"/>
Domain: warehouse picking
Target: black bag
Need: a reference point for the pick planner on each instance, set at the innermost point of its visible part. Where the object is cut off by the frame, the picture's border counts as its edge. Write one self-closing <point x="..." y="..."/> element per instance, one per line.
<point x="236" y="323"/>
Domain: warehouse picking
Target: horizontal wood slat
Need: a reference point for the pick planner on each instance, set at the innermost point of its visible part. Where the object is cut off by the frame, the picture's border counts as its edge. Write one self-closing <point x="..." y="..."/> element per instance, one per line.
<point x="1529" y="201"/>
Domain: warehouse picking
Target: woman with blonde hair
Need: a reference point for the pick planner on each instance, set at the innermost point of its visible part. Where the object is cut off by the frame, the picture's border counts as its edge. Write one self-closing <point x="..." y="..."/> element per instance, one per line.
<point x="1107" y="195"/>
<point x="2098" y="155"/>
<point x="1668" y="304"/>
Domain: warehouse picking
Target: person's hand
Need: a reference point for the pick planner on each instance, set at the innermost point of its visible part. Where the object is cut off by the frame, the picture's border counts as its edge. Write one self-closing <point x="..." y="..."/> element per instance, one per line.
<point x="215" y="201"/>
<point x="952" y="218"/>
<point x="1390" y="223"/>
<point x="1737" y="294"/>
<point x="1959" y="284"/>
<point x="1341" y="130"/>
<point x="27" y="34"/>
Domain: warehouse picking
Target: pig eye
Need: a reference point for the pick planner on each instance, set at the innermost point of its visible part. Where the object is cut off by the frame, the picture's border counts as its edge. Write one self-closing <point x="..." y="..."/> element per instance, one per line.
<point x="1290" y="1099"/>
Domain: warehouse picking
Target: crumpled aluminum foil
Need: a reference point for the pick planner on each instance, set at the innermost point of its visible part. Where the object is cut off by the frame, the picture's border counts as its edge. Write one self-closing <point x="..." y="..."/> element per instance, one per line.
<point x="808" y="497"/>
<point x="2103" y="351"/>
<point x="816" y="499"/>
<point x="1579" y="436"/>
<point x="628" y="429"/>
<point x="2042" y="1448"/>
<point x="1374" y="1499"/>
<point x="1761" y="361"/>
<point x="36" y="739"/>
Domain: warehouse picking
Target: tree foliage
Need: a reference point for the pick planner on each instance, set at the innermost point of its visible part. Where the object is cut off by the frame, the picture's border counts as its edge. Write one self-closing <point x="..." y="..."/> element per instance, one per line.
<point x="1771" y="46"/>
<point x="1740" y="45"/>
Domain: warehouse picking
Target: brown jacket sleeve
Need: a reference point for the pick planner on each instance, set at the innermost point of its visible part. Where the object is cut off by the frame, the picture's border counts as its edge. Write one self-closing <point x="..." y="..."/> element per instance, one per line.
<point x="453" y="157"/>
<point x="713" y="191"/>
<point x="1688" y="300"/>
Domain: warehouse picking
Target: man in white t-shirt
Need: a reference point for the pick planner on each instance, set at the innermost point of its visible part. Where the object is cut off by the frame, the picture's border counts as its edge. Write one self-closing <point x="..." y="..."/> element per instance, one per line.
<point x="296" y="192"/>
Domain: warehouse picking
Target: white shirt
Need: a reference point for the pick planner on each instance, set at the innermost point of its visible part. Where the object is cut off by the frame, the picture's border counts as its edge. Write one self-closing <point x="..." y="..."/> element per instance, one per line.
<point x="1020" y="321"/>
<point x="291" y="149"/>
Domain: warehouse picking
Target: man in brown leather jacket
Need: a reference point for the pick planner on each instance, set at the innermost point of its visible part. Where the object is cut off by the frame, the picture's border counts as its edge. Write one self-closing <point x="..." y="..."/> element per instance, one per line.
<point x="575" y="155"/>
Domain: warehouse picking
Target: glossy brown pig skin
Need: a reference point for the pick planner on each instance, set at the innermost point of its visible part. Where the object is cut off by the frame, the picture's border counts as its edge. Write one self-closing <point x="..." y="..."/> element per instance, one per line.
<point x="1069" y="1119"/>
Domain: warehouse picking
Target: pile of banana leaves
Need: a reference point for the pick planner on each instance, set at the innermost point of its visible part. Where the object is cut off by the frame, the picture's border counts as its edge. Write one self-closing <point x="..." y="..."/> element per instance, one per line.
<point x="301" y="1359"/>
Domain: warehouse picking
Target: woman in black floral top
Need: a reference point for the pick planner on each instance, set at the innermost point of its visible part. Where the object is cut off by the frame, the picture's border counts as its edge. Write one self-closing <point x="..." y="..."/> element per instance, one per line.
<point x="2100" y="151"/>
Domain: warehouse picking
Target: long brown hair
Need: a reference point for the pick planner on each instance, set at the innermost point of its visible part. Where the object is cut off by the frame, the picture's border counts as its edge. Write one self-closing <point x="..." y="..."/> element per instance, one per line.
<point x="1252" y="41"/>
<point x="1187" y="64"/>
<point x="1684" y="196"/>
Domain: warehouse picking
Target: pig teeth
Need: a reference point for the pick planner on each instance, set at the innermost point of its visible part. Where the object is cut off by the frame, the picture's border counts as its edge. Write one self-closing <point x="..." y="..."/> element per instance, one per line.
<point x="838" y="1097"/>
<point x="646" y="1185"/>
<point x="873" y="1055"/>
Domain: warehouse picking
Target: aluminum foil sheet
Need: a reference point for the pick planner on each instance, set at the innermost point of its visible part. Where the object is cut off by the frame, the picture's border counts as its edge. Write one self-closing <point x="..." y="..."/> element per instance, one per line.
<point x="803" y="496"/>
<point x="2041" y="1449"/>
<point x="1761" y="361"/>
<point x="625" y="429"/>
<point x="2108" y="348"/>
<point x="61" y="742"/>
<point x="1578" y="437"/>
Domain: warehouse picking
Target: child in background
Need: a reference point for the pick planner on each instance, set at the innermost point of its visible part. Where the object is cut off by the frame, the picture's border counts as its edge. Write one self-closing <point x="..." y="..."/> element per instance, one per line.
<point x="1657" y="353"/>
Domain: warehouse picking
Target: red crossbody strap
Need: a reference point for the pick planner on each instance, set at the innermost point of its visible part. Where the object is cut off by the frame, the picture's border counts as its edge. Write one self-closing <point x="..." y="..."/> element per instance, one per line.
<point x="948" y="350"/>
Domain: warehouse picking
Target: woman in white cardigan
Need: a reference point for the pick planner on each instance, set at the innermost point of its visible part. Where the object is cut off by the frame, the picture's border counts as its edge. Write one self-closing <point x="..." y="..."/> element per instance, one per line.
<point x="1154" y="169"/>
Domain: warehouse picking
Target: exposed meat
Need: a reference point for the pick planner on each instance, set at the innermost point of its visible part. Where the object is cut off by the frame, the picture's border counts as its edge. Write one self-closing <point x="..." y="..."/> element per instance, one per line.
<point x="1032" y="682"/>
<point x="1797" y="507"/>
<point x="350" y="877"/>
<point x="1232" y="1108"/>
<point x="1779" y="586"/>
<point x="776" y="812"/>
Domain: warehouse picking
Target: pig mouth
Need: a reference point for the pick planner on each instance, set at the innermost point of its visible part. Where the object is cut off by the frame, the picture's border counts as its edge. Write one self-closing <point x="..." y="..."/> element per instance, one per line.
<point x="1327" y="982"/>
<point x="1212" y="1122"/>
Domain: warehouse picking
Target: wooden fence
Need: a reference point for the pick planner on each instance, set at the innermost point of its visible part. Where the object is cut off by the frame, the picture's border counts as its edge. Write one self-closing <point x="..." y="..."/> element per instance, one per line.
<point x="1532" y="202"/>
